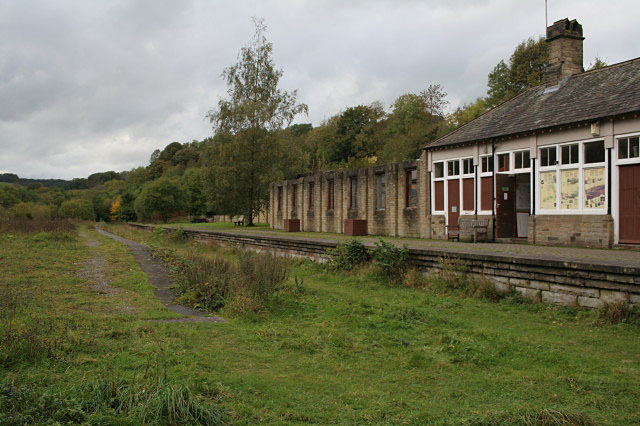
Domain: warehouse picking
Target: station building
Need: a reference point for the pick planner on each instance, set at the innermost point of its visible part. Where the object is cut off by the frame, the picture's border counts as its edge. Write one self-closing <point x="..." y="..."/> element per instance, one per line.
<point x="557" y="164"/>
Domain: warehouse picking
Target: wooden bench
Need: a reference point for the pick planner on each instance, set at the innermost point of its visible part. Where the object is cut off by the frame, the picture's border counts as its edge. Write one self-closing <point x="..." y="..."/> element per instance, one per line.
<point x="475" y="227"/>
<point x="238" y="221"/>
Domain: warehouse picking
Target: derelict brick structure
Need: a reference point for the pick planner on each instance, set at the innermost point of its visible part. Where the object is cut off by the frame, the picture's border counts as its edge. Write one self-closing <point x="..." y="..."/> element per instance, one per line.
<point x="557" y="164"/>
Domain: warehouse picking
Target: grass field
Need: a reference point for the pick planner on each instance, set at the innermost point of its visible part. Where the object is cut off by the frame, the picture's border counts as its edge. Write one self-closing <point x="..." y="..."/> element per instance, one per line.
<point x="342" y="348"/>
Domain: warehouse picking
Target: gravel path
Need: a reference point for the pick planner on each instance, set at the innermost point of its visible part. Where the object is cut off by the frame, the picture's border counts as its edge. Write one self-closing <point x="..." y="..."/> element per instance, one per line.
<point x="159" y="277"/>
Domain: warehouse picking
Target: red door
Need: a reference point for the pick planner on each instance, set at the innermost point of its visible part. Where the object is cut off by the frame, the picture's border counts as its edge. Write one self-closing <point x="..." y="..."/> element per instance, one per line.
<point x="629" y="204"/>
<point x="505" y="206"/>
<point x="453" y="195"/>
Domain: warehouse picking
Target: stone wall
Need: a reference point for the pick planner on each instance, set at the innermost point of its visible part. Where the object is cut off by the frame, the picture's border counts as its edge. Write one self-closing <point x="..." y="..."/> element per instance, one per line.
<point x="539" y="279"/>
<point x="578" y="230"/>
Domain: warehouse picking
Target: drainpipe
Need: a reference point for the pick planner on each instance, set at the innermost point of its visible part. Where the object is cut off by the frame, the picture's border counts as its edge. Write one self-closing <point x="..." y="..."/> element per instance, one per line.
<point x="609" y="181"/>
<point x="493" y="188"/>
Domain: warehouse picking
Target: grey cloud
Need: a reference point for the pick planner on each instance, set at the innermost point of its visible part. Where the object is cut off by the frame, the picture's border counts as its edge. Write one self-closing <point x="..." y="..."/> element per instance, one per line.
<point x="94" y="86"/>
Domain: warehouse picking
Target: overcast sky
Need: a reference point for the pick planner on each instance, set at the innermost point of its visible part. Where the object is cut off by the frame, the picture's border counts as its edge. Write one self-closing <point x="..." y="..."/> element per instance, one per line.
<point x="88" y="86"/>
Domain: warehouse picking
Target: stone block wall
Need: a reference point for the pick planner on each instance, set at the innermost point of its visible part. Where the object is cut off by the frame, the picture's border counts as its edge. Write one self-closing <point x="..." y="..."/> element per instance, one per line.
<point x="578" y="230"/>
<point x="570" y="283"/>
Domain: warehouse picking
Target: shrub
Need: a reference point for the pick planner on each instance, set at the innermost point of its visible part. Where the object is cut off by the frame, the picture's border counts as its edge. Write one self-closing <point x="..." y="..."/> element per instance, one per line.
<point x="347" y="256"/>
<point x="77" y="208"/>
<point x="31" y="210"/>
<point x="212" y="282"/>
<point x="263" y="273"/>
<point x="392" y="261"/>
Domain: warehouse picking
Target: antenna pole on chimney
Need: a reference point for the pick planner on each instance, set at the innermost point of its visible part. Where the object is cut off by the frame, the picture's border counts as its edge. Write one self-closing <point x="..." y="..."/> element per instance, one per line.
<point x="546" y="24"/>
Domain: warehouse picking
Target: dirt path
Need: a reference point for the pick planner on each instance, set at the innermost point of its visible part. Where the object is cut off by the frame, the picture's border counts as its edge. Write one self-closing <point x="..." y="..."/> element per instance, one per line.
<point x="159" y="277"/>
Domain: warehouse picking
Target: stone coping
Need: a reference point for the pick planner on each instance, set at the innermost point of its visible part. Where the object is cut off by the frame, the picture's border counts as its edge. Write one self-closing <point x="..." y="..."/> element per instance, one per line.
<point x="603" y="265"/>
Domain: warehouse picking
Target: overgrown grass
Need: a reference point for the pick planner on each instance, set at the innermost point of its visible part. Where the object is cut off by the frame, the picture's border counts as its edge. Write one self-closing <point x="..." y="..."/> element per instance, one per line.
<point x="339" y="348"/>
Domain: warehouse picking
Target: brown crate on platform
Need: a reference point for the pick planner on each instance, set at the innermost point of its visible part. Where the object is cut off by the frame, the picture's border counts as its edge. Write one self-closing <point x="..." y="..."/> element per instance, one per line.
<point x="292" y="225"/>
<point x="355" y="227"/>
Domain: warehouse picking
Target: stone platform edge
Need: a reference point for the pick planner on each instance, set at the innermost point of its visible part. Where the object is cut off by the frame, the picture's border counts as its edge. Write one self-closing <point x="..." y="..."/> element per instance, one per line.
<point x="541" y="279"/>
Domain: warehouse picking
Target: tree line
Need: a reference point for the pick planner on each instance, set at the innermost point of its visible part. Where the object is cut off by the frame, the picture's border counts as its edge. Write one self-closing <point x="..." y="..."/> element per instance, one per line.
<point x="254" y="143"/>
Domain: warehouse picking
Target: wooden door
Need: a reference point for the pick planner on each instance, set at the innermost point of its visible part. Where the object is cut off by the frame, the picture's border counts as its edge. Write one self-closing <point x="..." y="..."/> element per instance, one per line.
<point x="505" y="206"/>
<point x="453" y="202"/>
<point x="629" y="230"/>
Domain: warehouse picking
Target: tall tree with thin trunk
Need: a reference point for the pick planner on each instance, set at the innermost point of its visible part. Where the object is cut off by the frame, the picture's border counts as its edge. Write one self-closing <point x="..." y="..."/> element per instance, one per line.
<point x="244" y="155"/>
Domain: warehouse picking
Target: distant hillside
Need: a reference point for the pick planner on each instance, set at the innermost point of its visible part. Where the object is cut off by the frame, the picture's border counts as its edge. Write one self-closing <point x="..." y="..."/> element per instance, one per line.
<point x="76" y="183"/>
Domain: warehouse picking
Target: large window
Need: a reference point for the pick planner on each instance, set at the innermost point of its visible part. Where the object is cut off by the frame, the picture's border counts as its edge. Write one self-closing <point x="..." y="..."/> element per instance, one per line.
<point x="380" y="191"/>
<point x="411" y="189"/>
<point x="279" y="198"/>
<point x="353" y="197"/>
<point x="577" y="182"/>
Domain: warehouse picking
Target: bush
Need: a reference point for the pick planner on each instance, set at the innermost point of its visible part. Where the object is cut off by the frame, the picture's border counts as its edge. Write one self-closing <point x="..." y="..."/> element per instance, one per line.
<point x="263" y="273"/>
<point x="77" y="208"/>
<point x="31" y="210"/>
<point x="392" y="261"/>
<point x="212" y="282"/>
<point x="347" y="256"/>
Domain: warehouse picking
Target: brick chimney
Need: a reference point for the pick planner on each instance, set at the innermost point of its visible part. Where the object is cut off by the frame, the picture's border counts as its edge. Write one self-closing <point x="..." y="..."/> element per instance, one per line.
<point x="564" y="40"/>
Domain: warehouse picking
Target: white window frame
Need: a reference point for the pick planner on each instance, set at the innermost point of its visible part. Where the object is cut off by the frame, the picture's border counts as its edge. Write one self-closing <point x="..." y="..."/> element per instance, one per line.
<point x="515" y="170"/>
<point x="481" y="175"/>
<point x="433" y="187"/>
<point x="463" y="176"/>
<point x="623" y="161"/>
<point x="558" y="168"/>
<point x="615" y="176"/>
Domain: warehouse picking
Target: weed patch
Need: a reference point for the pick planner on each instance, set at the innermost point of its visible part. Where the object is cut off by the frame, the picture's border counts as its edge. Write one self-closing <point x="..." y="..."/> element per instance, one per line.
<point x="620" y="312"/>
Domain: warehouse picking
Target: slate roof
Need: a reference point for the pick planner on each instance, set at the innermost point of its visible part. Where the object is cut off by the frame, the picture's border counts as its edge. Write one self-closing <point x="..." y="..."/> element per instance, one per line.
<point x="596" y="94"/>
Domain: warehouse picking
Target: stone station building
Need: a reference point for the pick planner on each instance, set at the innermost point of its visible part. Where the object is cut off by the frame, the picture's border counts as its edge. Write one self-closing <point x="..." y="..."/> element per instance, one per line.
<point x="557" y="164"/>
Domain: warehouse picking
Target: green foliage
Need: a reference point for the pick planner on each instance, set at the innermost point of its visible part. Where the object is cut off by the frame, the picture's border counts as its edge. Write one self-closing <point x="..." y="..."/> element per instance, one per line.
<point x="192" y="181"/>
<point x="101" y="202"/>
<point x="11" y="194"/>
<point x="127" y="212"/>
<point x="525" y="69"/>
<point x="597" y="64"/>
<point x="392" y="261"/>
<point x="355" y="133"/>
<point x="264" y="273"/>
<point x="245" y="157"/>
<point x="31" y="211"/>
<point x="161" y="198"/>
<point x="77" y="208"/>
<point x="347" y="256"/>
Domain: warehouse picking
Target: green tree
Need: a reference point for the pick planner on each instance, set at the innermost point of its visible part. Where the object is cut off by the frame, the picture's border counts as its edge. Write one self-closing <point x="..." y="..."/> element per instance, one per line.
<point x="355" y="130"/>
<point x="161" y="198"/>
<point x="245" y="156"/>
<point x="597" y="64"/>
<point x="77" y="208"/>
<point x="525" y="69"/>
<point x="194" y="189"/>
<point x="127" y="212"/>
